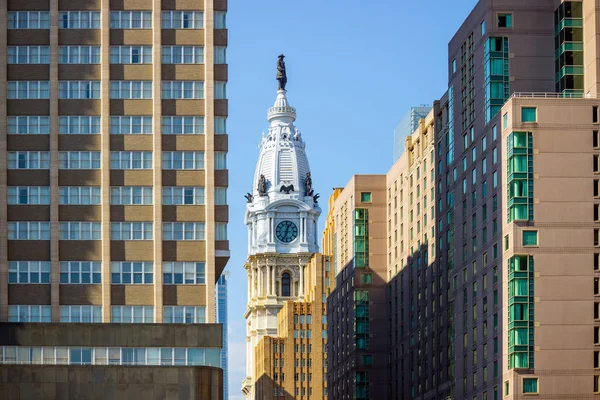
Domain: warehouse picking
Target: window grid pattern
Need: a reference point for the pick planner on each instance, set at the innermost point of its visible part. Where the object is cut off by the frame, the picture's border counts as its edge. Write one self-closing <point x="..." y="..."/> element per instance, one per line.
<point x="80" y="231"/>
<point x="136" y="273"/>
<point x="520" y="176"/>
<point x="131" y="89"/>
<point x="79" y="90"/>
<point x="182" y="54"/>
<point x="28" y="160"/>
<point x="23" y="90"/>
<point x="29" y="125"/>
<point x="184" y="273"/>
<point x="29" y="272"/>
<point x="131" y="231"/>
<point x="132" y="314"/>
<point x="131" y="160"/>
<point x="84" y="124"/>
<point x="131" y="195"/>
<point x="184" y="315"/>
<point x="182" y="125"/>
<point x="174" y="160"/>
<point x="80" y="272"/>
<point x="131" y="54"/>
<point x="131" y="20"/>
<point x="521" y="316"/>
<point x="28" y="195"/>
<point x="28" y="230"/>
<point x="184" y="231"/>
<point x="79" y="195"/>
<point x="496" y="75"/>
<point x="182" y="20"/>
<point x="131" y="124"/>
<point x="182" y="89"/>
<point x="79" y="160"/>
<point x="79" y="20"/>
<point x="28" y="20"/>
<point x="29" y="313"/>
<point x="29" y="54"/>
<point x="79" y="54"/>
<point x="183" y="195"/>
<point x="81" y="314"/>
<point x="180" y="356"/>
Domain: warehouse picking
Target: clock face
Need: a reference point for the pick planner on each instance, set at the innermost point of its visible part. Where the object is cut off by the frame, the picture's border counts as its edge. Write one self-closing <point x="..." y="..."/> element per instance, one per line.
<point x="286" y="231"/>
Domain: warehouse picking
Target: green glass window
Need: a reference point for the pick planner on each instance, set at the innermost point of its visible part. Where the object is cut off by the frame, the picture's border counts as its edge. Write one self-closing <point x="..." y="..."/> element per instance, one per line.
<point x="367" y="359"/>
<point x="365" y="197"/>
<point x="454" y="65"/>
<point x="366" y="279"/>
<point x="505" y="121"/>
<point x="483" y="28"/>
<point x="528" y="114"/>
<point x="505" y="20"/>
<point x="530" y="385"/>
<point x="530" y="238"/>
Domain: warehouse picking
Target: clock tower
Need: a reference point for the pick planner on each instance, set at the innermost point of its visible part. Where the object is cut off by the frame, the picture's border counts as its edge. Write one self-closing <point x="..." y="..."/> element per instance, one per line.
<point x="281" y="217"/>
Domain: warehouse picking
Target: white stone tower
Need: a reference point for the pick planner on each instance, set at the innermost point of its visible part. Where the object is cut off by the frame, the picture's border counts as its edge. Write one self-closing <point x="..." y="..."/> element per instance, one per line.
<point x="281" y="217"/>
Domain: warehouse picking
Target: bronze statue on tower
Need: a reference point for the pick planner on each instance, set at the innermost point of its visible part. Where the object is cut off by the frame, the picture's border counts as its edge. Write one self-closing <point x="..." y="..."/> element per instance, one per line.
<point x="281" y="74"/>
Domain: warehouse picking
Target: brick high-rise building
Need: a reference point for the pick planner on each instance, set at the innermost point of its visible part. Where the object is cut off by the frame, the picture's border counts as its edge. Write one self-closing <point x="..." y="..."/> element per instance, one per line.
<point x="113" y="177"/>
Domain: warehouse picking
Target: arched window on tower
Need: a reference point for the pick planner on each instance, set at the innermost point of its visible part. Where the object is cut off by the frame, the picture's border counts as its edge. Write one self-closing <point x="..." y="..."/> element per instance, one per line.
<point x="285" y="285"/>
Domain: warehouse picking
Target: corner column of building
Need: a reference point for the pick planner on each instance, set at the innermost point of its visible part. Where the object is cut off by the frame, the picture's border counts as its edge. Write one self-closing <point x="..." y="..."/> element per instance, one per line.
<point x="209" y="133"/>
<point x="105" y="157"/>
<point x="3" y="166"/>
<point x="54" y="218"/>
<point x="157" y="164"/>
<point x="269" y="273"/>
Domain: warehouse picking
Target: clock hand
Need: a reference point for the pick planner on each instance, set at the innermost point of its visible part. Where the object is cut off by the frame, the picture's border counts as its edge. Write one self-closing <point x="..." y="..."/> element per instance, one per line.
<point x="287" y="228"/>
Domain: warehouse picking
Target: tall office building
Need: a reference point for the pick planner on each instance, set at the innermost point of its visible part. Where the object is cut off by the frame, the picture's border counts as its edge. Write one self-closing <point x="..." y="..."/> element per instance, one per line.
<point x="407" y="125"/>
<point x="221" y="318"/>
<point x="113" y="177"/>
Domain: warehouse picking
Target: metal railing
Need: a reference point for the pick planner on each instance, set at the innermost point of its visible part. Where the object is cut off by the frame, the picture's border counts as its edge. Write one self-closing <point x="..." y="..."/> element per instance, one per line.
<point x="550" y="95"/>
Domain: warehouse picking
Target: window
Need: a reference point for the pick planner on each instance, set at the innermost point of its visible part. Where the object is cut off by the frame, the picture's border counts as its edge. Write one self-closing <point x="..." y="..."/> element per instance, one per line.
<point x="595" y="114"/>
<point x="286" y="285"/>
<point x="131" y="195"/>
<point x="454" y="65"/>
<point x="28" y="20"/>
<point x="28" y="195"/>
<point x="131" y="231"/>
<point x="596" y="188"/>
<point x="77" y="195"/>
<point x="131" y="124"/>
<point x="183" y="231"/>
<point x="29" y="125"/>
<point x="220" y="160"/>
<point x="220" y="55"/>
<point x="28" y="54"/>
<point x="80" y="231"/>
<point x="174" y="160"/>
<point x="79" y="89"/>
<point x="530" y="385"/>
<point x="131" y="54"/>
<point x="79" y="20"/>
<point x="79" y="54"/>
<point x="132" y="314"/>
<point x="365" y="197"/>
<point x="184" y="273"/>
<point x="220" y="22"/>
<point x="182" y="54"/>
<point x="131" y="160"/>
<point x="530" y="238"/>
<point x="84" y="314"/>
<point x="29" y="272"/>
<point x="184" y="315"/>
<point x="136" y="272"/>
<point x="131" y="20"/>
<point x="596" y="212"/>
<point x="29" y="313"/>
<point x="75" y="272"/>
<point x="220" y="90"/>
<point x="28" y="90"/>
<point x="528" y="114"/>
<point x="79" y="160"/>
<point x="183" y="125"/>
<point x="220" y="196"/>
<point x="495" y="179"/>
<point x="182" y="89"/>
<point x="220" y="231"/>
<point x="182" y="20"/>
<point x="183" y="195"/>
<point x="131" y="89"/>
<point x="24" y="230"/>
<point x="79" y="125"/>
<point x="505" y="21"/>
<point x="482" y="25"/>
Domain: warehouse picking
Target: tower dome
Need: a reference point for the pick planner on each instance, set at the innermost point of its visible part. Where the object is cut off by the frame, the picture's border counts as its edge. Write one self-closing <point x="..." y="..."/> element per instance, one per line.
<point x="282" y="159"/>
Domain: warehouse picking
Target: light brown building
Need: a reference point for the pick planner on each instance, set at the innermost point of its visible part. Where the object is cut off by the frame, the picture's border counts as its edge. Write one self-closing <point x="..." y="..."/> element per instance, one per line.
<point x="293" y="365"/>
<point x="113" y="178"/>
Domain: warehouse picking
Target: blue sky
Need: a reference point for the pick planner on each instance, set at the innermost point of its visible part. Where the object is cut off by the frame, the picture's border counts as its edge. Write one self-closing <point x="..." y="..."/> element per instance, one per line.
<point x="354" y="68"/>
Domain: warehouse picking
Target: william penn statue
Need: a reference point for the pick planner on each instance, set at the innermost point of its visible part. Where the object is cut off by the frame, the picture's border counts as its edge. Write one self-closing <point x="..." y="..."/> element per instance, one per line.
<point x="281" y="75"/>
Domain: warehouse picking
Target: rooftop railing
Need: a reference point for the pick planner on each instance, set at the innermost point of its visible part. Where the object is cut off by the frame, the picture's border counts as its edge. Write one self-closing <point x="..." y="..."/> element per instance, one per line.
<point x="549" y="95"/>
